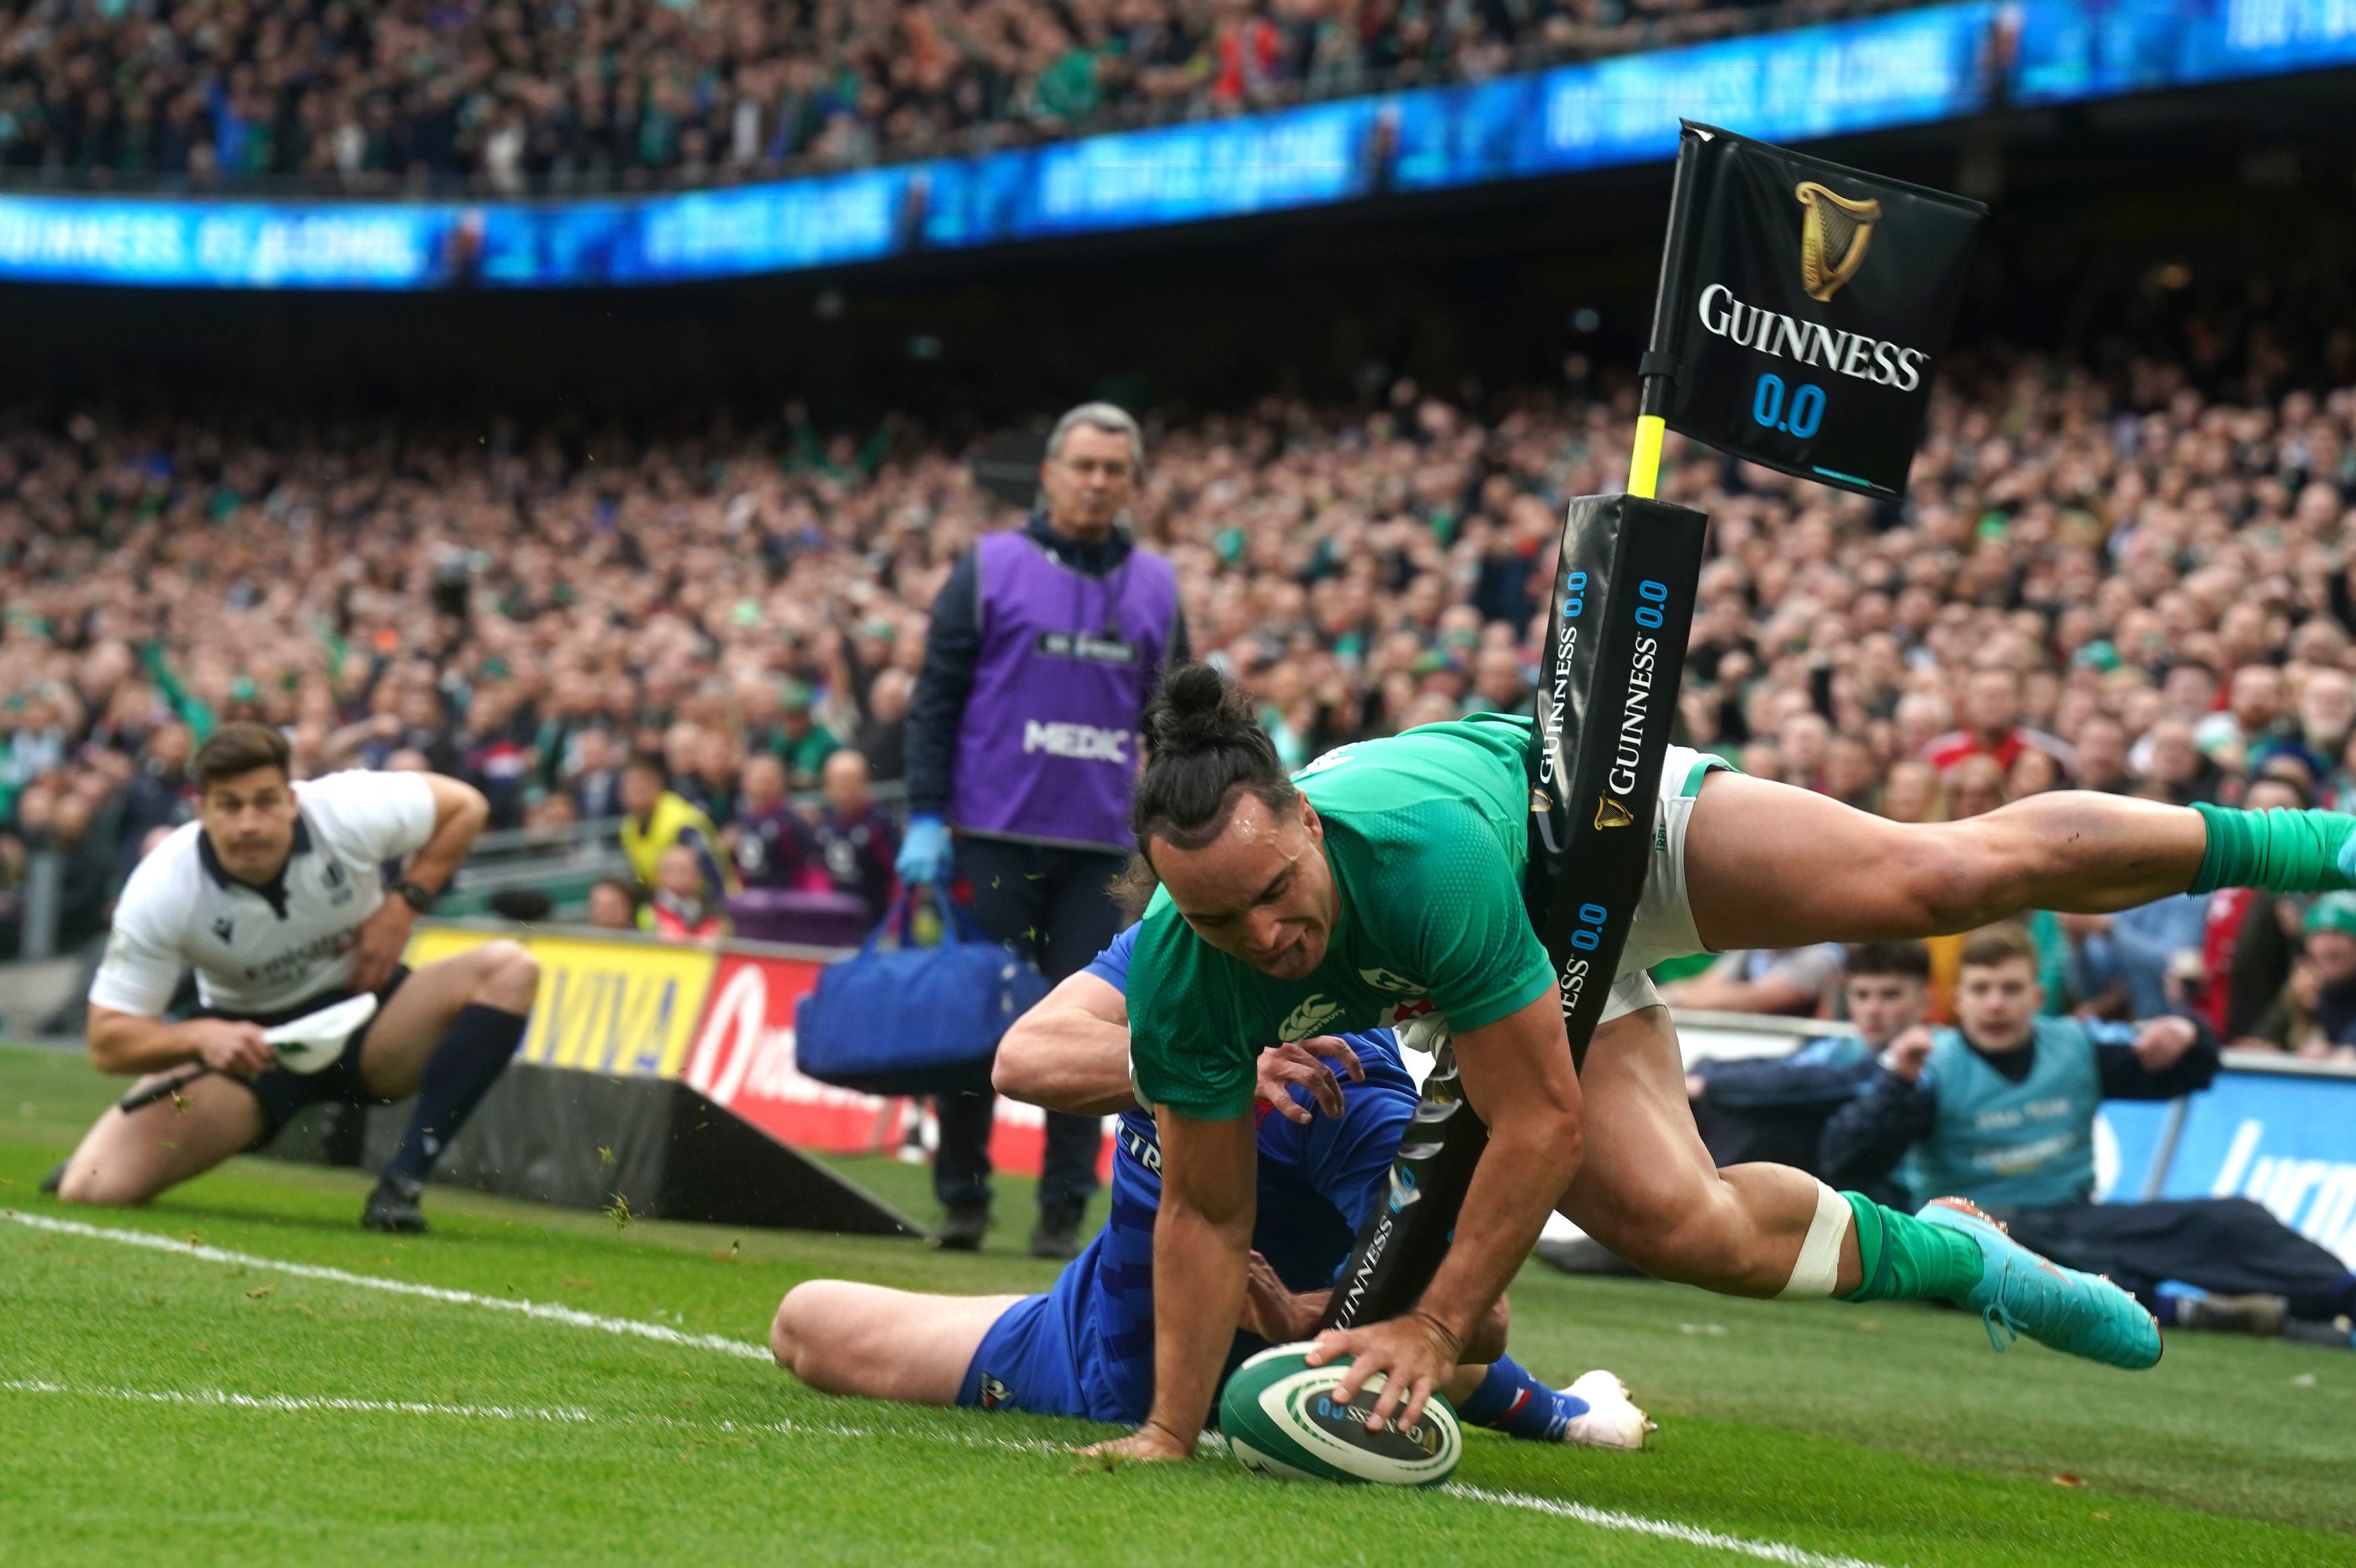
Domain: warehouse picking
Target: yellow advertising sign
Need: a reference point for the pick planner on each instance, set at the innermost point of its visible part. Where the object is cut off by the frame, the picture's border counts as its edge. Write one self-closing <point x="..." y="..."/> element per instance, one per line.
<point x="623" y="1009"/>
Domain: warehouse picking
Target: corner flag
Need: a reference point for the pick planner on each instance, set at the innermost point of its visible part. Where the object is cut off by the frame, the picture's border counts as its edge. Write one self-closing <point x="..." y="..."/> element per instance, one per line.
<point x="1802" y="310"/>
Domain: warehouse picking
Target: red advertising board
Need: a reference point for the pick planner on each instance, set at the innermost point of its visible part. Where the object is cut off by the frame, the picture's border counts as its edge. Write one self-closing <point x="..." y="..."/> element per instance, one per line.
<point x="742" y="1060"/>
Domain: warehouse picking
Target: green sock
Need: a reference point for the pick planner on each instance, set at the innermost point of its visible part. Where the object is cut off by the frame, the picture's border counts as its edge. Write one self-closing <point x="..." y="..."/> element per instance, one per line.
<point x="2288" y="851"/>
<point x="1906" y="1260"/>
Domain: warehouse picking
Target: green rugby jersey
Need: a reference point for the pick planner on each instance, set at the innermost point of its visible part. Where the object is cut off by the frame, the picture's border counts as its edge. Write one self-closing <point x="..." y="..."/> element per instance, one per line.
<point x="1426" y="834"/>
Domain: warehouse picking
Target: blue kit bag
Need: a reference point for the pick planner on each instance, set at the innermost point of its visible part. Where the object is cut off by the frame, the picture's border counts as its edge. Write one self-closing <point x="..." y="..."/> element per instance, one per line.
<point x="915" y="1020"/>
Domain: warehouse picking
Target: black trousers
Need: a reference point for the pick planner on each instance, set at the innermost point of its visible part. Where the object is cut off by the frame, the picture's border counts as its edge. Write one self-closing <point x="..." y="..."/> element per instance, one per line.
<point x="2230" y="1245"/>
<point x="1056" y="906"/>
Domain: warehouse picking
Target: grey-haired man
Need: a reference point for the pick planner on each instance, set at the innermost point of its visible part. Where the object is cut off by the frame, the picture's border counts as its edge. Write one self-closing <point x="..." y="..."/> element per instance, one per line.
<point x="1044" y="646"/>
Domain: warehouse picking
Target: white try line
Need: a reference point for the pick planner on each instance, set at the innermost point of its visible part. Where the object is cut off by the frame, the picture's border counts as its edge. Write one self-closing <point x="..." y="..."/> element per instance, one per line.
<point x="292" y="1402"/>
<point x="547" y="1312"/>
<point x="1667" y="1530"/>
<point x="1599" y="1519"/>
<point x="568" y="1415"/>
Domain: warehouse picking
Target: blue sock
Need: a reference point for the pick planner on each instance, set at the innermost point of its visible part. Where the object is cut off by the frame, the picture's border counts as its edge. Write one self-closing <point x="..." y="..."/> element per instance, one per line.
<point x="1512" y="1401"/>
<point x="461" y="1071"/>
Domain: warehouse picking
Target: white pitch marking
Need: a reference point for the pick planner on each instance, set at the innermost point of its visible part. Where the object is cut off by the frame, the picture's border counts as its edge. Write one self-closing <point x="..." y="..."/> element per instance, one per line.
<point x="211" y="1396"/>
<point x="1667" y="1530"/>
<point x="1600" y="1519"/>
<point x="546" y="1312"/>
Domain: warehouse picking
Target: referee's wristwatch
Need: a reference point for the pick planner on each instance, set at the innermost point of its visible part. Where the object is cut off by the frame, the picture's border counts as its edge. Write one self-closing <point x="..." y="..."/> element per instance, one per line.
<point x="416" y="895"/>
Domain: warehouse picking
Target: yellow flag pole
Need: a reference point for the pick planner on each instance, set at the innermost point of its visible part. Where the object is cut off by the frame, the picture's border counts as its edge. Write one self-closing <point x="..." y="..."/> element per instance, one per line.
<point x="1644" y="464"/>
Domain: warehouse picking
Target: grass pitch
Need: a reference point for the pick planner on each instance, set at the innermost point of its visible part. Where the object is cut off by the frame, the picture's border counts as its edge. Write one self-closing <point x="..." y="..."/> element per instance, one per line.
<point x="197" y="1402"/>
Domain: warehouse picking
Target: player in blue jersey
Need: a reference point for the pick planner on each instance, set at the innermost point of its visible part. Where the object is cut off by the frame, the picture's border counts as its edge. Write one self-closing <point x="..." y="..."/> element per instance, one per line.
<point x="1085" y="1347"/>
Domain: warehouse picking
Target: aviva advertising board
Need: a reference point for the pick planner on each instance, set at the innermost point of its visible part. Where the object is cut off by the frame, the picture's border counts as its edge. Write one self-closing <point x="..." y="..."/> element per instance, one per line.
<point x="626" y="1009"/>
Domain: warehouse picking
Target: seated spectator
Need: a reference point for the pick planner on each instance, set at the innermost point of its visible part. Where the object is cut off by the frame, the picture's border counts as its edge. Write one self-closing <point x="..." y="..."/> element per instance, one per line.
<point x="769" y="841"/>
<point x="2001" y="1111"/>
<point x="1762" y="980"/>
<point x="612" y="905"/>
<point x="855" y="841"/>
<point x="657" y="819"/>
<point x="682" y="908"/>
<point x="1773" y="1109"/>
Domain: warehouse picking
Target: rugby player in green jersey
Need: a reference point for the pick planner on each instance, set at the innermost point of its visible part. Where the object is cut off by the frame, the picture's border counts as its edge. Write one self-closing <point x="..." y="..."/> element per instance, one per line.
<point x="1383" y="884"/>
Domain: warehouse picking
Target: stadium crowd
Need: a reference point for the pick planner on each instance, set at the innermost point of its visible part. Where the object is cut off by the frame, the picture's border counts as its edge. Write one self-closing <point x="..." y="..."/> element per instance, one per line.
<point x="368" y="95"/>
<point x="2116" y="583"/>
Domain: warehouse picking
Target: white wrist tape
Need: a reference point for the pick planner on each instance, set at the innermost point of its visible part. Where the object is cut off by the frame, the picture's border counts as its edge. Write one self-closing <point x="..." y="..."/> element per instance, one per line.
<point x="1818" y="1269"/>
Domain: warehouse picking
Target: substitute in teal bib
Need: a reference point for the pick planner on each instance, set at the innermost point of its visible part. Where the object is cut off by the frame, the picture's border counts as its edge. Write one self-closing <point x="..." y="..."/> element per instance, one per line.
<point x="1426" y="834"/>
<point x="2003" y="1145"/>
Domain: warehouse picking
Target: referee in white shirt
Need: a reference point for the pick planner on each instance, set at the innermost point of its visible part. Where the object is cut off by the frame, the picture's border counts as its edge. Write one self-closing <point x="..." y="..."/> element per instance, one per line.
<point x="276" y="896"/>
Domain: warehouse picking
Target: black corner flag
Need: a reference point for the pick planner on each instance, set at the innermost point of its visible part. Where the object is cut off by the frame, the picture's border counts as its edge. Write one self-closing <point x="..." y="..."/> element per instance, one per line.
<point x="1802" y="308"/>
<point x="1805" y="307"/>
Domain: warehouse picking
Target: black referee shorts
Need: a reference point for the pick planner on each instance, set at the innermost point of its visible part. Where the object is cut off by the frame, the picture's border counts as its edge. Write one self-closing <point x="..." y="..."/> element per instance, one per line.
<point x="281" y="1094"/>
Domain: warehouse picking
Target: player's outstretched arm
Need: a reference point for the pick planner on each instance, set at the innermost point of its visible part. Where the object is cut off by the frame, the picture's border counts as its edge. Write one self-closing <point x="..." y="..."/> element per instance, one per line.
<point x="1071" y="1051"/>
<point x="1071" y="1054"/>
<point x="1202" y="1255"/>
<point x="1517" y="1076"/>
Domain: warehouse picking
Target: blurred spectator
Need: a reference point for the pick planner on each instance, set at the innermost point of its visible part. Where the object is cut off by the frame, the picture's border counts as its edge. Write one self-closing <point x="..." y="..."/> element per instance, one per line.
<point x="2315" y="1013"/>
<point x="2147" y="952"/>
<point x="596" y="777"/>
<point x="1787" y="980"/>
<point x="802" y="740"/>
<point x="681" y="908"/>
<point x="613" y="906"/>
<point x="658" y="819"/>
<point x="2247" y="937"/>
<point x="1775" y="1108"/>
<point x="1992" y="727"/>
<point x="159" y="794"/>
<point x="2001" y="1111"/>
<point x="883" y="735"/>
<point x="769" y="841"/>
<point x="855" y="841"/>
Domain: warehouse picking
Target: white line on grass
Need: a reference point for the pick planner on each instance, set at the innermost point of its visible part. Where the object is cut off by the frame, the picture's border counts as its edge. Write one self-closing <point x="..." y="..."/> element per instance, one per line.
<point x="545" y="1311"/>
<point x="1667" y="1530"/>
<point x="212" y="1397"/>
<point x="1600" y="1519"/>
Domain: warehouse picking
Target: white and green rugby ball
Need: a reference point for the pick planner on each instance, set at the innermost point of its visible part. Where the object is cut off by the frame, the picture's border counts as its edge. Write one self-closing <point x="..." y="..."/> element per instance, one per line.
<point x="1280" y="1418"/>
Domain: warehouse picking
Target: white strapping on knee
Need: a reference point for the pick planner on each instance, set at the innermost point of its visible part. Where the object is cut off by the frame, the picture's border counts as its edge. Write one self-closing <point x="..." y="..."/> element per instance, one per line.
<point x="1818" y="1269"/>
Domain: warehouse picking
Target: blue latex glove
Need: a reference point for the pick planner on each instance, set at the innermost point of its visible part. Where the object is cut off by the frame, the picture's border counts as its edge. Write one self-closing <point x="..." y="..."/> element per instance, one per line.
<point x="925" y="852"/>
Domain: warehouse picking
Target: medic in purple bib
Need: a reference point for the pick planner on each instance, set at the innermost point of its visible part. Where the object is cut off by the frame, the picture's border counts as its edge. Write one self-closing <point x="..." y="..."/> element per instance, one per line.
<point x="1046" y="644"/>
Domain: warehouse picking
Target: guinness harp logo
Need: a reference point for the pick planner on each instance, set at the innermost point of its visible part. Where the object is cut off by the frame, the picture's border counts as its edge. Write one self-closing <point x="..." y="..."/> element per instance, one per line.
<point x="1834" y="232"/>
<point x="1610" y="813"/>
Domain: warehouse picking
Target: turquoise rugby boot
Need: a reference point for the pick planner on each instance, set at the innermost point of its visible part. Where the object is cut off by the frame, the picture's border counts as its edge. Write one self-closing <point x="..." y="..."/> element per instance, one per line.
<point x="2020" y="1293"/>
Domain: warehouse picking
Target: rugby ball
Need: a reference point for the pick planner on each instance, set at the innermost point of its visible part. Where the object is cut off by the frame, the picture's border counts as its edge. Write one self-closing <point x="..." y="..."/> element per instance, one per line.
<point x="1280" y="1418"/>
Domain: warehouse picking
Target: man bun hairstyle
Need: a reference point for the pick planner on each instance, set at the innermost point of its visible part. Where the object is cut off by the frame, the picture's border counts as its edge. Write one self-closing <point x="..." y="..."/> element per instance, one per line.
<point x="1205" y="750"/>
<point x="241" y="747"/>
